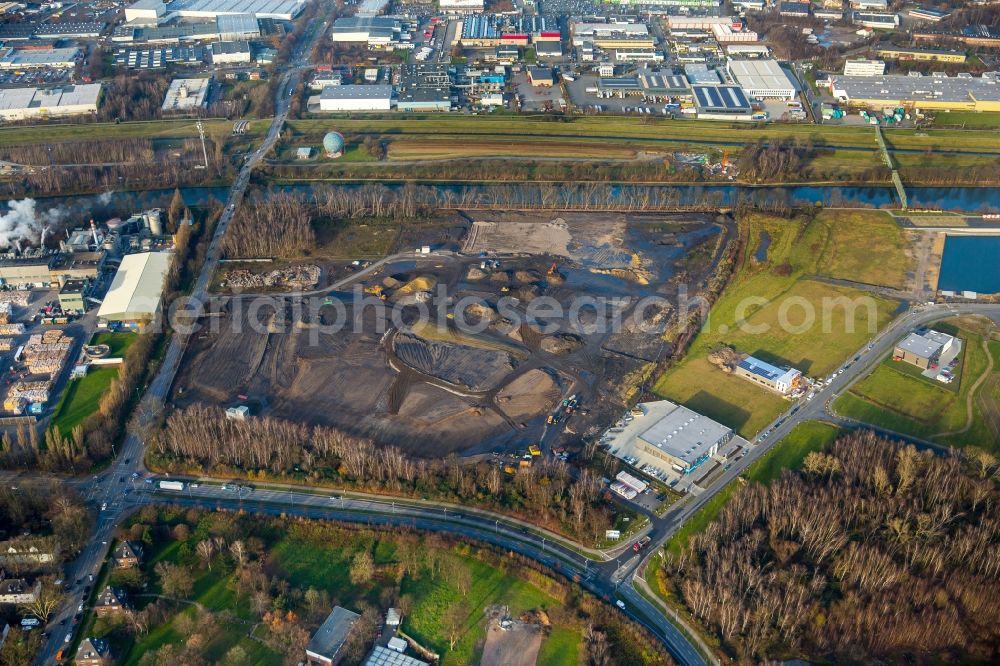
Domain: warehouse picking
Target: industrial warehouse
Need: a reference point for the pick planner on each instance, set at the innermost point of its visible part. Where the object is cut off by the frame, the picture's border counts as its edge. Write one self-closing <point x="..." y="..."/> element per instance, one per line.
<point x="668" y="438"/>
<point x="157" y="11"/>
<point x="133" y="301"/>
<point x="68" y="100"/>
<point x="935" y="92"/>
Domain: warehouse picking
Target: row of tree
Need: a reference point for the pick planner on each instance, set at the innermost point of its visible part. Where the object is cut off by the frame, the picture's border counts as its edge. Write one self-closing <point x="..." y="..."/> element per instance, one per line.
<point x="545" y="493"/>
<point x="871" y="551"/>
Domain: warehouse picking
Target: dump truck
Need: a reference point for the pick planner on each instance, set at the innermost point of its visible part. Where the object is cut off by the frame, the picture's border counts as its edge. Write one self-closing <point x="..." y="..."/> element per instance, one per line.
<point x="171" y="485"/>
<point x="534" y="450"/>
<point x="640" y="544"/>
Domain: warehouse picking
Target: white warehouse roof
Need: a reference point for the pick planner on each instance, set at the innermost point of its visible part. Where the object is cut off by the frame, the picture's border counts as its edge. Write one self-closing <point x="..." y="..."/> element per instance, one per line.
<point x="762" y="77"/>
<point x="137" y="287"/>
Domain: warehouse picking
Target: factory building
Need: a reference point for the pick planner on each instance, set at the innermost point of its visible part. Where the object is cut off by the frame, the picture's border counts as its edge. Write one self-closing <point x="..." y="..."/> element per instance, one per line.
<point x="541" y="76"/>
<point x="933" y="93"/>
<point x="864" y="67"/>
<point x="185" y="95"/>
<point x="22" y="270"/>
<point x="153" y="12"/>
<point x="230" y="53"/>
<point x="700" y="74"/>
<point x="612" y="35"/>
<point x="356" y="98"/>
<point x="923" y="349"/>
<point x="424" y="87"/>
<point x="72" y="294"/>
<point x="70" y="100"/>
<point x="725" y="34"/>
<point x="85" y="265"/>
<point x="698" y="22"/>
<point x="491" y="30"/>
<point x="722" y="103"/>
<point x="375" y="31"/>
<point x="666" y="436"/>
<point x="65" y="30"/>
<point x="39" y="58"/>
<point x="747" y="51"/>
<point x="237" y="27"/>
<point x="876" y="21"/>
<point x="762" y="78"/>
<point x="921" y="54"/>
<point x="134" y="298"/>
<point x="794" y="9"/>
<point x="779" y="380"/>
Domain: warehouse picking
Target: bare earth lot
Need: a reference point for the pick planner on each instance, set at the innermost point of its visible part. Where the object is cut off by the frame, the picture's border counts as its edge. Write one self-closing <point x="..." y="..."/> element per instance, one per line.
<point x="438" y="386"/>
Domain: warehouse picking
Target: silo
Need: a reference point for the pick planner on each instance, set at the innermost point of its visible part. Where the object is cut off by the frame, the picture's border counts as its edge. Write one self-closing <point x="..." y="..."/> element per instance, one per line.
<point x="154" y="222"/>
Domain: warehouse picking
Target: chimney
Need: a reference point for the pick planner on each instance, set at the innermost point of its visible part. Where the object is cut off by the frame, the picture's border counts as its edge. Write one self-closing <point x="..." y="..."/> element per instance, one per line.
<point x="93" y="230"/>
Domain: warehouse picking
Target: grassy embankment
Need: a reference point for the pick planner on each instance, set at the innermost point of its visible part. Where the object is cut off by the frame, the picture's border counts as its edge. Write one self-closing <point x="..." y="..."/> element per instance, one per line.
<point x="81" y="397"/>
<point x="863" y="246"/>
<point x="964" y="413"/>
<point x="845" y="151"/>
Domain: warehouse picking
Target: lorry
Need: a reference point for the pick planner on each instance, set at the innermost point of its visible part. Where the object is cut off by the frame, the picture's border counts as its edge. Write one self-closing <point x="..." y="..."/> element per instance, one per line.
<point x="640" y="544"/>
<point x="171" y="485"/>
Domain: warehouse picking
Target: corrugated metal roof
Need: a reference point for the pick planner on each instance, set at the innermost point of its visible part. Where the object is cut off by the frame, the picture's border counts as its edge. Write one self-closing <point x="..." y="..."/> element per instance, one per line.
<point x="137" y="287"/>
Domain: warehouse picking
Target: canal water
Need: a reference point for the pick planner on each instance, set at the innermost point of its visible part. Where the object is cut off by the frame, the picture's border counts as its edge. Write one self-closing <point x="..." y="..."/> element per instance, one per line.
<point x="631" y="197"/>
<point x="971" y="263"/>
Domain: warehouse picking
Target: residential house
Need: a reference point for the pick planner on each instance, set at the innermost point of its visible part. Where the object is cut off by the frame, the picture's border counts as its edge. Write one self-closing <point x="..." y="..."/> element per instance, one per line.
<point x="93" y="652"/>
<point x="127" y="555"/>
<point x="108" y="602"/>
<point x="15" y="591"/>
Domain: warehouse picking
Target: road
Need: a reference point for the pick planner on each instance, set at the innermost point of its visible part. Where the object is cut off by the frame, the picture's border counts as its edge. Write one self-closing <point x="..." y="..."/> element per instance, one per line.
<point x="112" y="488"/>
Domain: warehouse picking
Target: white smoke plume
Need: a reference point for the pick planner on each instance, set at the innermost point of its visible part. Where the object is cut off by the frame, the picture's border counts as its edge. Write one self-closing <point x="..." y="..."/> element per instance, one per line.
<point x="23" y="221"/>
<point x="105" y="198"/>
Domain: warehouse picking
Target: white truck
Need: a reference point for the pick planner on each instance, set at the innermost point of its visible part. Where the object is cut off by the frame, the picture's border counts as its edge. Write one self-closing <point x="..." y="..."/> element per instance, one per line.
<point x="171" y="485"/>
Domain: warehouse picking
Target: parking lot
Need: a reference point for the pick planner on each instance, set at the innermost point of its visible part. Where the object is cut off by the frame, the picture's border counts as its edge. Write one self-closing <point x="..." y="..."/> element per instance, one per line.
<point x="41" y="76"/>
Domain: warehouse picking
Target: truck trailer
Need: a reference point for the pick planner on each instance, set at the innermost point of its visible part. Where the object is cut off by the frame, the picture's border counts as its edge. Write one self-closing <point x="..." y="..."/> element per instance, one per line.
<point x="171" y="485"/>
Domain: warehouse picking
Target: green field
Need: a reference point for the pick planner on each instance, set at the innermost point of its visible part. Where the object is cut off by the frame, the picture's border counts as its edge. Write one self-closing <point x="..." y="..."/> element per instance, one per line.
<point x="786" y="454"/>
<point x="895" y="397"/>
<point x="82" y="397"/>
<point x="152" y="129"/>
<point x="885" y="262"/>
<point x="968" y="119"/>
<point x="118" y="342"/>
<point x="774" y="310"/>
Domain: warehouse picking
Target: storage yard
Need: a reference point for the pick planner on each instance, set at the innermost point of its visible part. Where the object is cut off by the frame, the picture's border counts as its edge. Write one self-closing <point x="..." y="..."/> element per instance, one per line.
<point x="436" y="386"/>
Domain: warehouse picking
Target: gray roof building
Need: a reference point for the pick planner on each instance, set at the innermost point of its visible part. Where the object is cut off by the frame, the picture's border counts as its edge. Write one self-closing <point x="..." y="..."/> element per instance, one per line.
<point x="325" y="645"/>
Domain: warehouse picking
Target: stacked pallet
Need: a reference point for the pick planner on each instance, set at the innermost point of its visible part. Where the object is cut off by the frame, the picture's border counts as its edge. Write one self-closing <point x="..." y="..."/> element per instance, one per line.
<point x="46" y="353"/>
<point x="30" y="391"/>
<point x="12" y="329"/>
<point x="6" y="344"/>
<point x="6" y="312"/>
<point x="19" y="297"/>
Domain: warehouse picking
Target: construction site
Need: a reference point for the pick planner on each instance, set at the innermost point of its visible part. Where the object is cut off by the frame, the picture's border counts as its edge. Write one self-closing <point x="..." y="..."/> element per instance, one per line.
<point x="455" y="360"/>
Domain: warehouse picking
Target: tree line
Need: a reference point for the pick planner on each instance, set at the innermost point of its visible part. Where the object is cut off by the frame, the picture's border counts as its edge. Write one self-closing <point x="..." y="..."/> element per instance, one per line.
<point x="201" y="438"/>
<point x="871" y="551"/>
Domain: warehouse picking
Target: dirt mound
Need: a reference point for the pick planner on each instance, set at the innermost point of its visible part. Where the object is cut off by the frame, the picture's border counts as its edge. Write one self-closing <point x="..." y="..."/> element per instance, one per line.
<point x="481" y="312"/>
<point x="725" y="358"/>
<point x="475" y="273"/>
<point x="500" y="277"/>
<point x="475" y="369"/>
<point x="422" y="283"/>
<point x="527" y="276"/>
<point x="560" y="344"/>
<point x="533" y="393"/>
<point x="390" y="282"/>
<point x="528" y="292"/>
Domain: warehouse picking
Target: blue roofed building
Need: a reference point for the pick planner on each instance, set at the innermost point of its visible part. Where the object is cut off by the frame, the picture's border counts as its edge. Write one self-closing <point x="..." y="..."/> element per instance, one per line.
<point x="722" y="103"/>
<point x="779" y="380"/>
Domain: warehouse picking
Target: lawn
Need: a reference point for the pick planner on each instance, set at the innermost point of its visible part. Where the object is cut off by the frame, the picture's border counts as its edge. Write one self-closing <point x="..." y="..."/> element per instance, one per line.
<point x="438" y="149"/>
<point x="897" y="398"/>
<point x="968" y="119"/>
<point x="773" y="310"/>
<point x="864" y="246"/>
<point x="119" y="342"/>
<point x="434" y="596"/>
<point x="82" y="397"/>
<point x="169" y="129"/>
